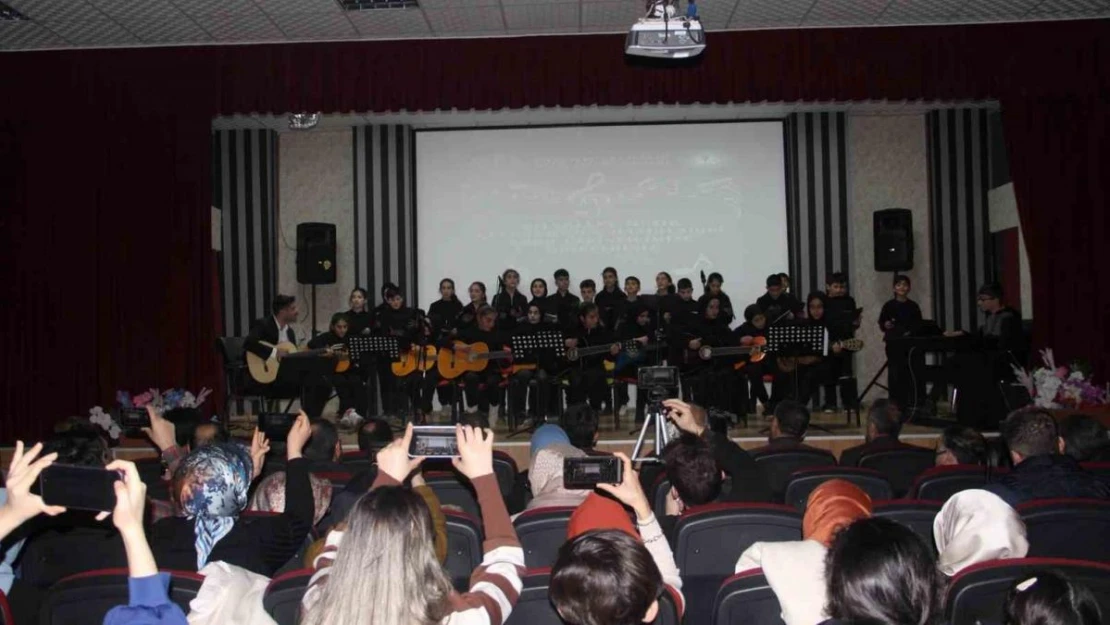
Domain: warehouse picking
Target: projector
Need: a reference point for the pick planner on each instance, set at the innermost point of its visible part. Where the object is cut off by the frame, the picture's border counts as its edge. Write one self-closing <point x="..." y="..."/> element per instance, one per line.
<point x="661" y="34"/>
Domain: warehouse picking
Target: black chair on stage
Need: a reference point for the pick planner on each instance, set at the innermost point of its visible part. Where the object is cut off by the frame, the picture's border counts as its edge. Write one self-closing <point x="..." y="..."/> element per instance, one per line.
<point x="542" y="531"/>
<point x="238" y="386"/>
<point x="977" y="594"/>
<point x="711" y="539"/>
<point x="900" y="466"/>
<point x="916" y="515"/>
<point x="85" y="598"/>
<point x="803" y="483"/>
<point x="940" y="483"/>
<point x="747" y="599"/>
<point x="282" y="599"/>
<point x="1067" y="528"/>
<point x="780" y="466"/>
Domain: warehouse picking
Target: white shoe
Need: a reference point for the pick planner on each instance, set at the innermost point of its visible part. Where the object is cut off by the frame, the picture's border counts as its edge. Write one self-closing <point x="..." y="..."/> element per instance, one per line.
<point x="471" y="410"/>
<point x="621" y="412"/>
<point x="492" y="417"/>
<point x="351" y="419"/>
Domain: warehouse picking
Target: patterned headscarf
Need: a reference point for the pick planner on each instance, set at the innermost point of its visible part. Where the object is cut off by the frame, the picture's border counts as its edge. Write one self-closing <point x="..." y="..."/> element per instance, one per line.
<point x="269" y="496"/>
<point x="212" y="484"/>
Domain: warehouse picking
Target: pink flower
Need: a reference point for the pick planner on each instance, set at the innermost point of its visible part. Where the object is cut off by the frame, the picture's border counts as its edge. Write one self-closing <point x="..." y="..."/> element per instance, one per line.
<point x="1061" y="372"/>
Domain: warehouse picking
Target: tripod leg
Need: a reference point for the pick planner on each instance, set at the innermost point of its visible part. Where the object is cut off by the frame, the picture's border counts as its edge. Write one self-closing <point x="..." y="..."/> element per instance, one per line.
<point x="643" y="434"/>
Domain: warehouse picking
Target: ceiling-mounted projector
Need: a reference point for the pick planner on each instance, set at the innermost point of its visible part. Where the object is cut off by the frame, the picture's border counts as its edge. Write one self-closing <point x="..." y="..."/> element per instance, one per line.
<point x="662" y="34"/>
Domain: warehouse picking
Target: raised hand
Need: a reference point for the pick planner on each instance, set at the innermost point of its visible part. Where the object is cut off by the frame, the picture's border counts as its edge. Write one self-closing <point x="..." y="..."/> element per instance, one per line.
<point x="24" y="471"/>
<point x="629" y="491"/>
<point x="260" y="446"/>
<point x="162" y="432"/>
<point x="393" y="459"/>
<point x="688" y="417"/>
<point x="298" y="436"/>
<point x="127" y="516"/>
<point x="475" y="451"/>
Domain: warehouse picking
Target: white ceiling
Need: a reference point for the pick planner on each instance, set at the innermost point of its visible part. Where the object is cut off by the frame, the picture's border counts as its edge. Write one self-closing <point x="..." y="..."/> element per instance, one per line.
<point x="129" y="23"/>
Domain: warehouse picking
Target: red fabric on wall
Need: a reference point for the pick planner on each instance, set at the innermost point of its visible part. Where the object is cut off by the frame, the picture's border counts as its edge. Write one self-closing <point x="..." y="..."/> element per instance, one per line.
<point x="104" y="159"/>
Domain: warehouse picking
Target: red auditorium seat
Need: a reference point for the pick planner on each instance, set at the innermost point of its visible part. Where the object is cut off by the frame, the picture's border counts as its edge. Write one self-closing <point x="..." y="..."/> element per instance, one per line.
<point x="282" y="599"/>
<point x="85" y="598"/>
<point x="6" y="617"/>
<point x="779" y="466"/>
<point x="464" y="547"/>
<point x="805" y="481"/>
<point x="747" y="599"/>
<point x="711" y="539"/>
<point x="900" y="466"/>
<point x="976" y="595"/>
<point x="1068" y="528"/>
<point x="542" y="531"/>
<point x="916" y="515"/>
<point x="940" y="483"/>
<point x="504" y="468"/>
<point x="1101" y="469"/>
<point x="452" y="491"/>
<point x="534" y="606"/>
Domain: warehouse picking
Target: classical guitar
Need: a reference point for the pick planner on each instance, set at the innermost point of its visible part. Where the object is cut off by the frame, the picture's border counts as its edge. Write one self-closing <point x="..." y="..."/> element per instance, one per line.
<point x="462" y="357"/>
<point x="265" y="370"/>
<point x="787" y="364"/>
<point x="751" y="346"/>
<point x="415" y="360"/>
<point x="576" y="353"/>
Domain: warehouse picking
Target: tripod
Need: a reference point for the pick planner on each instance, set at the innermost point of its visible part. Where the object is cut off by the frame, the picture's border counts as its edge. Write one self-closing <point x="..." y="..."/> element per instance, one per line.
<point x="653" y="419"/>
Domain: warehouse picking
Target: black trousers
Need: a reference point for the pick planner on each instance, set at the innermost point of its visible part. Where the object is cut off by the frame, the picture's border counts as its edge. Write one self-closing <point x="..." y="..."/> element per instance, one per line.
<point x="714" y="387"/>
<point x="482" y="389"/>
<point x="588" y="384"/>
<point x="906" y="380"/>
<point x="348" y="386"/>
<point x="540" y="399"/>
<point x="419" y="388"/>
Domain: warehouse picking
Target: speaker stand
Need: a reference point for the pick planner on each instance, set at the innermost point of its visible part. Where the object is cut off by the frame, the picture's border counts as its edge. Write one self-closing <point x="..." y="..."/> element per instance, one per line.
<point x="314" y="331"/>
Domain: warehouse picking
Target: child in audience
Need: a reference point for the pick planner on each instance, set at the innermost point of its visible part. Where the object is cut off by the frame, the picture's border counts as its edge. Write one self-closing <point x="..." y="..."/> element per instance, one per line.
<point x="1049" y="598"/>
<point x="381" y="567"/>
<point x="975" y="526"/>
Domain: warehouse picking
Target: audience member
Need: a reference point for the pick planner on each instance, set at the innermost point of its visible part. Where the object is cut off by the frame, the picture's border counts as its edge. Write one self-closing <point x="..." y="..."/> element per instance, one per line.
<point x="1085" y="438"/>
<point x="545" y="471"/>
<point x="580" y="422"/>
<point x="608" y="573"/>
<point x="747" y="481"/>
<point x="961" y="445"/>
<point x="884" y="424"/>
<point x="1040" y="471"/>
<point x="1049" y="598"/>
<point x="381" y="567"/>
<point x="795" y="570"/>
<point x="269" y="495"/>
<point x="788" y="429"/>
<point x="880" y="571"/>
<point x="975" y="526"/>
<point x="373" y="435"/>
<point x="207" y="433"/>
<point x="324" y="449"/>
<point x="210" y="485"/>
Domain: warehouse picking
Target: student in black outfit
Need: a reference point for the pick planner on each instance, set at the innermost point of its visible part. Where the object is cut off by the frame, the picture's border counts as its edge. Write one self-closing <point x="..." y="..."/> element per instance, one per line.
<point x="348" y="385"/>
<point x="405" y="323"/>
<point x="899" y="317"/>
<point x="540" y="367"/>
<point x="587" y="375"/>
<point x="777" y="304"/>
<point x="468" y="318"/>
<point x="663" y="284"/>
<point x="632" y="296"/>
<point x="382" y="362"/>
<point x="713" y="379"/>
<point x="588" y="289"/>
<point x="566" y="303"/>
<point x="511" y="305"/>
<point x="610" y="300"/>
<point x="483" y="394"/>
<point x="444" y="315"/>
<point x="636" y="327"/>
<point x="680" y="329"/>
<point x="360" y="322"/>
<point x="813" y="371"/>
<point x="713" y="289"/>
<point x="541" y="299"/>
<point x="842" y="320"/>
<point x="751" y="386"/>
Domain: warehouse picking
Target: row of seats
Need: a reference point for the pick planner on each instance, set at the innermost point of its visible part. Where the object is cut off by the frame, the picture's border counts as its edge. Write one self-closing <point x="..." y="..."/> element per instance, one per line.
<point x="976" y="595"/>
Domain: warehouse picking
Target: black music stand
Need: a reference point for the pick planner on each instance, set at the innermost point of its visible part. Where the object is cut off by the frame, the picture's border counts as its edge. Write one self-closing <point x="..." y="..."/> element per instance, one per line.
<point x="299" y="371"/>
<point x="795" y="341"/>
<point x="360" y="346"/>
<point x="544" y="342"/>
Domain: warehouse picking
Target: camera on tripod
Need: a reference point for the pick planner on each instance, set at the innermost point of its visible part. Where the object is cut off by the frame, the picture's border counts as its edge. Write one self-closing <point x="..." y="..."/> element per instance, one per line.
<point x="658" y="382"/>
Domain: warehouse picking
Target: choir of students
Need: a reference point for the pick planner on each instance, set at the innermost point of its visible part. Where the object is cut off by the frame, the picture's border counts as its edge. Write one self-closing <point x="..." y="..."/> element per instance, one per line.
<point x="668" y="326"/>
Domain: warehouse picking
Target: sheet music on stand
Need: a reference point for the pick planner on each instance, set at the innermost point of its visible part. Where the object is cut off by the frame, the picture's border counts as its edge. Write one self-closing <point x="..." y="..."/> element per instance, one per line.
<point x="797" y="340"/>
<point x="525" y="344"/>
<point x="359" y="345"/>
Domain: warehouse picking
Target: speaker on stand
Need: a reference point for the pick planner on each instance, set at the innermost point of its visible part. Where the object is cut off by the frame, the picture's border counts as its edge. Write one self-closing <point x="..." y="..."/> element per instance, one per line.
<point x="315" y="258"/>
<point x="893" y="236"/>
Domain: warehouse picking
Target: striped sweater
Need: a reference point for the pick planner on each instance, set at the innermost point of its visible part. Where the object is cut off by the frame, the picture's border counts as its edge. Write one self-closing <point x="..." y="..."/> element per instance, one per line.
<point x="494" y="586"/>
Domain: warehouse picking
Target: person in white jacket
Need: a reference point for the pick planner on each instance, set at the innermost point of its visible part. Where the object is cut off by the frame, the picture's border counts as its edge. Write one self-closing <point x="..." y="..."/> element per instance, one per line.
<point x="795" y="569"/>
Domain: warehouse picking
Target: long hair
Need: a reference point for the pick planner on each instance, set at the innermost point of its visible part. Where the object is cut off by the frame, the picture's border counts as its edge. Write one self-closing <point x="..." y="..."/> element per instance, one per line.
<point x="385" y="571"/>
<point x="454" y="296"/>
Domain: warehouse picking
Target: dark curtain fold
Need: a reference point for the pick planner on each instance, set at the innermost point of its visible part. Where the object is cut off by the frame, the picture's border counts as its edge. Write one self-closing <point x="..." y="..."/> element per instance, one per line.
<point x="105" y="178"/>
<point x="1059" y="161"/>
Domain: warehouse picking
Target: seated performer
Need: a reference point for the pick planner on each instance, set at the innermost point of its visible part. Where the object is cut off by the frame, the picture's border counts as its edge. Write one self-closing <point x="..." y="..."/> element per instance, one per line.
<point x="800" y="375"/>
<point x="842" y="319"/>
<point x="566" y="303"/>
<point x="511" y="305"/>
<point x="443" y="315"/>
<point x="483" y="393"/>
<point x="536" y="366"/>
<point x="547" y="305"/>
<point x="636" y="327"/>
<point x="468" y="318"/>
<point x="712" y="380"/>
<point x="587" y="373"/>
<point x="777" y="304"/>
<point x="348" y="385"/>
<point x="409" y="327"/>
<point x="713" y="289"/>
<point x="272" y="331"/>
<point x="751" y="386"/>
<point x="899" y="317"/>
<point x="360" y="321"/>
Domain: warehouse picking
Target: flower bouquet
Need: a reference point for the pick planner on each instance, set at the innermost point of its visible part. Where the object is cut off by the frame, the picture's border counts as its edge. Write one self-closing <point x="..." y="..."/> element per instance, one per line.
<point x="1058" y="387"/>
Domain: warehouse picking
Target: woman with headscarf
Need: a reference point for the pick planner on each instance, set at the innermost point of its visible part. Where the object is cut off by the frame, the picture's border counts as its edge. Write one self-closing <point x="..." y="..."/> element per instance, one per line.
<point x="269" y="495"/>
<point x="975" y="526"/>
<point x="795" y="570"/>
<point x="550" y="446"/>
<point x="210" y="487"/>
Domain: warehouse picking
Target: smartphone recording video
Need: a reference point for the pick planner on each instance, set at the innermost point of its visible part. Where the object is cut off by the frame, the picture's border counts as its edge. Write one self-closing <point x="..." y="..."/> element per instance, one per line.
<point x="587" y="473"/>
<point x="79" y="487"/>
<point x="434" y="441"/>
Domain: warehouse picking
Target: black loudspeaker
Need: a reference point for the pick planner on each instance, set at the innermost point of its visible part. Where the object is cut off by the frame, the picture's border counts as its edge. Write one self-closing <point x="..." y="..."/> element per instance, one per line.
<point x="893" y="239"/>
<point x="316" y="253"/>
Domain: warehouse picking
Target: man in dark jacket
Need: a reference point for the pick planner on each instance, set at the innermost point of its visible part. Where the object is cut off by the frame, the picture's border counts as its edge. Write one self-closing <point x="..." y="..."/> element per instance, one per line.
<point x="1040" y="470"/>
<point x="884" y="423"/>
<point x="788" y="429"/>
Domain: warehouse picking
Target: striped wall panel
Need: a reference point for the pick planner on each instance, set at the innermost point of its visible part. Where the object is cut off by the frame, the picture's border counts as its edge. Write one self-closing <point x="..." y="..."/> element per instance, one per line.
<point x="243" y="188"/>
<point x="817" y="198"/>
<point x="959" y="179"/>
<point x="384" y="217"/>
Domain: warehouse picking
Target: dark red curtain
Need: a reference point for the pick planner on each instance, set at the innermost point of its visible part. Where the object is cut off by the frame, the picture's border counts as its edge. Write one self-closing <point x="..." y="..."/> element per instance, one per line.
<point x="104" y="164"/>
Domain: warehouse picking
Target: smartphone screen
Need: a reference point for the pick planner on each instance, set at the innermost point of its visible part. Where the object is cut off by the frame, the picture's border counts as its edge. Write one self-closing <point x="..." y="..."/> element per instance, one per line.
<point x="434" y="441"/>
<point x="134" y="418"/>
<point x="79" y="487"/>
<point x="276" y="425"/>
